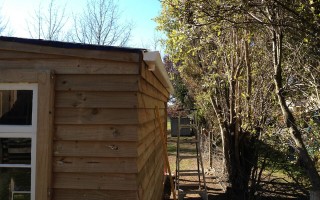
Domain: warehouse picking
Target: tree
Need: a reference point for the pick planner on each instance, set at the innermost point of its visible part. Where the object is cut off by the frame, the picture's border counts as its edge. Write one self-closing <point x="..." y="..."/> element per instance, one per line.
<point x="3" y="25"/>
<point x="277" y="17"/>
<point x="4" y="29"/>
<point x="223" y="53"/>
<point x="155" y="43"/>
<point x="99" y="23"/>
<point x="213" y="58"/>
<point x="49" y="23"/>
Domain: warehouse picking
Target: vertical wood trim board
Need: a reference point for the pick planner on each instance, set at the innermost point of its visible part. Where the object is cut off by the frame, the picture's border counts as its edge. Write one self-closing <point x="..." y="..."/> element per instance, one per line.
<point x="44" y="135"/>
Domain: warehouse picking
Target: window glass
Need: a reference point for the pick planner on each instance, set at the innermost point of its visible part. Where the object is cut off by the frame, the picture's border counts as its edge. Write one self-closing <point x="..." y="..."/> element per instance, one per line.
<point x="15" y="183"/>
<point x="15" y="150"/>
<point x="18" y="112"/>
<point x="15" y="107"/>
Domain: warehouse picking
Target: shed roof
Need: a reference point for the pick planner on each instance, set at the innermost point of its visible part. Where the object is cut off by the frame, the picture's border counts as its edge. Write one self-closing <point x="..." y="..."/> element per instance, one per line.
<point x="152" y="59"/>
<point x="69" y="45"/>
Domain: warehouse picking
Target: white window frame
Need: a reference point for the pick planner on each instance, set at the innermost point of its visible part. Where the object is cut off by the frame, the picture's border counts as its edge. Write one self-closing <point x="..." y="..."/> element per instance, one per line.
<point x="23" y="131"/>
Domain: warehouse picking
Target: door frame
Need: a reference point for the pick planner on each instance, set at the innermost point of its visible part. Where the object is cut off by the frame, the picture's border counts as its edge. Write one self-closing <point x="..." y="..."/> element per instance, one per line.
<point x="44" y="129"/>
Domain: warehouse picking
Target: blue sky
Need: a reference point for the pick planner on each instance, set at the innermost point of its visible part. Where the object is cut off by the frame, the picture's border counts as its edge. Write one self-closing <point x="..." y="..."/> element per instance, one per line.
<point x="140" y="12"/>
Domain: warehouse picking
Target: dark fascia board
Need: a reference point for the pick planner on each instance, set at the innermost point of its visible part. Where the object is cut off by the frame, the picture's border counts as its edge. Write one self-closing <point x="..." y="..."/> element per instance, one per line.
<point x="69" y="45"/>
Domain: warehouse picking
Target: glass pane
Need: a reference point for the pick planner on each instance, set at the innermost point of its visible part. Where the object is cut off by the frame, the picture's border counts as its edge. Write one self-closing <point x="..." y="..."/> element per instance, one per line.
<point x="15" y="107"/>
<point x="15" y="151"/>
<point x="15" y="183"/>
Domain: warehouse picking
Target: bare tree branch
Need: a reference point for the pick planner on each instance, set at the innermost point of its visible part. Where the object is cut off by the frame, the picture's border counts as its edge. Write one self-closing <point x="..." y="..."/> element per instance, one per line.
<point x="48" y="25"/>
<point x="100" y="24"/>
<point x="4" y="25"/>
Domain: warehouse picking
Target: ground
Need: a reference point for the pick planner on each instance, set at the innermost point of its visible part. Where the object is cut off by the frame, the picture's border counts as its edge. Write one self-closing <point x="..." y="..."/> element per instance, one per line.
<point x="272" y="188"/>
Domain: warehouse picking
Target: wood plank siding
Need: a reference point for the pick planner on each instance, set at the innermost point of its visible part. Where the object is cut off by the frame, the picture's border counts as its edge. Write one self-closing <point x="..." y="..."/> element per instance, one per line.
<point x="95" y="142"/>
<point x="105" y="142"/>
<point x="150" y="160"/>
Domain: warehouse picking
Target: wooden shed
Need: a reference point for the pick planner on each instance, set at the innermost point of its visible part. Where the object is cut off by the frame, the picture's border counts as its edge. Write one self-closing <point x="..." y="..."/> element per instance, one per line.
<point x="78" y="121"/>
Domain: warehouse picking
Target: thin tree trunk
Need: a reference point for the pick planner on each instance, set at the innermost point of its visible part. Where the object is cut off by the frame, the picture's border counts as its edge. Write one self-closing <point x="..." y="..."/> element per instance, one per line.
<point x="289" y="119"/>
<point x="249" y="82"/>
<point x="224" y="136"/>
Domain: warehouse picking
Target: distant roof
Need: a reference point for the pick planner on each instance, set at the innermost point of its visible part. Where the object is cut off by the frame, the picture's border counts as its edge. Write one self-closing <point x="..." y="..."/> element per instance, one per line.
<point x="70" y="45"/>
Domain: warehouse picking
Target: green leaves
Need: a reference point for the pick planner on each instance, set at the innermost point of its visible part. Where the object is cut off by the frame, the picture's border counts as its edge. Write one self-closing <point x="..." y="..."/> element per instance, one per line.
<point x="224" y="53"/>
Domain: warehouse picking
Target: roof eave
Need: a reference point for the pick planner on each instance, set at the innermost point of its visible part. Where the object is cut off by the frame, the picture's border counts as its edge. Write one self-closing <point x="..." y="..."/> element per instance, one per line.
<point x="155" y="64"/>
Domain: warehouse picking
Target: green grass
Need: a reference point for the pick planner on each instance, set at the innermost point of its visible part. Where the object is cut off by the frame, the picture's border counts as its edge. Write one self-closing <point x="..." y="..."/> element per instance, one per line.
<point x="186" y="149"/>
<point x="168" y="124"/>
<point x="171" y="148"/>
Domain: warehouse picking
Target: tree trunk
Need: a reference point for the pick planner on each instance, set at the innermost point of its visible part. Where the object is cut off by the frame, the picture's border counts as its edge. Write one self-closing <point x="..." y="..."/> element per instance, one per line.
<point x="238" y="159"/>
<point x="224" y="136"/>
<point x="249" y="81"/>
<point x="289" y="119"/>
<point x="314" y="195"/>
